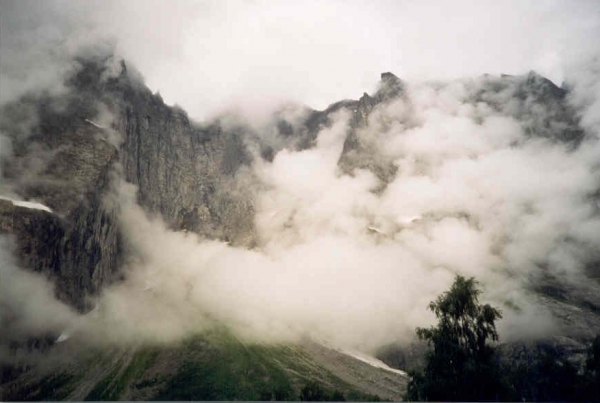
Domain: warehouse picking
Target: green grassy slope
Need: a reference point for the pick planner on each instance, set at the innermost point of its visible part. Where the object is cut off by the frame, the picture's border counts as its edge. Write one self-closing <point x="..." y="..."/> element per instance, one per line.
<point x="212" y="366"/>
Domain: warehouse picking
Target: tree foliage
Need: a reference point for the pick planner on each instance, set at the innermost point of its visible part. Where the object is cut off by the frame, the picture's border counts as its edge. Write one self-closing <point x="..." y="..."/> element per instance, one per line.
<point x="591" y="373"/>
<point x="550" y="375"/>
<point x="313" y="392"/>
<point x="462" y="365"/>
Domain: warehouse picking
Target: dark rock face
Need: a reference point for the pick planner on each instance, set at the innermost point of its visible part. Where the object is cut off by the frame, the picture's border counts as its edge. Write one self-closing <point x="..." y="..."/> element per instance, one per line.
<point x="184" y="172"/>
<point x="535" y="101"/>
<point x="38" y="233"/>
<point x="81" y="253"/>
<point x="66" y="156"/>
<point x="391" y="87"/>
<point x="68" y="148"/>
<point x="362" y="154"/>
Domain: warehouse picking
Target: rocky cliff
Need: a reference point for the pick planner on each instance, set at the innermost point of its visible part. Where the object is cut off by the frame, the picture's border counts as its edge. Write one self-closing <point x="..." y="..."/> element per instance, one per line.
<point x="69" y="149"/>
<point x="108" y="124"/>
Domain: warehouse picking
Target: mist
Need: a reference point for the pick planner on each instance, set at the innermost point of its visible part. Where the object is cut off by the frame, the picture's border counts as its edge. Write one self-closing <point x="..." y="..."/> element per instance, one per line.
<point x="344" y="263"/>
<point x="342" y="257"/>
<point x="29" y="306"/>
<point x="209" y="56"/>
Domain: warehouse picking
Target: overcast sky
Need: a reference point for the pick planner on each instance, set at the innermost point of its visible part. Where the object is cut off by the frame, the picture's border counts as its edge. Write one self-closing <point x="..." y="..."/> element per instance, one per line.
<point x="205" y="55"/>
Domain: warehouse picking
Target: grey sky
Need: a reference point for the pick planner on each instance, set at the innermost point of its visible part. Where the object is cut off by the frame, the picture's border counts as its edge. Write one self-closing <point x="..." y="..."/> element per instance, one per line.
<point x="207" y="55"/>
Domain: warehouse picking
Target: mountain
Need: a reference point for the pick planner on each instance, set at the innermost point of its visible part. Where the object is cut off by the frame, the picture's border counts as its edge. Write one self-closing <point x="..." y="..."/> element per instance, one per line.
<point x="184" y="172"/>
<point x="60" y="215"/>
<point x="212" y="366"/>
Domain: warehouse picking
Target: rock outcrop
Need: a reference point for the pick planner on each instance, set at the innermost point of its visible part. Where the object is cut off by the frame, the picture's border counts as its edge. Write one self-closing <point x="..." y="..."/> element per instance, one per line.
<point x="73" y="145"/>
<point x="69" y="148"/>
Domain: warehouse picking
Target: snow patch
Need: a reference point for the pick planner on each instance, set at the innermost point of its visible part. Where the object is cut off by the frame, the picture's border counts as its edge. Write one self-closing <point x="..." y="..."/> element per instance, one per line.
<point x="27" y="204"/>
<point x="377" y="230"/>
<point x="372" y="361"/>
<point x="94" y="124"/>
<point x="63" y="337"/>
<point x="76" y="325"/>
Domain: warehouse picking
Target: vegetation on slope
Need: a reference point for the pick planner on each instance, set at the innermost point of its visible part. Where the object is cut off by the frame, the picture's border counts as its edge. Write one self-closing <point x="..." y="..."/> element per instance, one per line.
<point x="211" y="366"/>
<point x="464" y="364"/>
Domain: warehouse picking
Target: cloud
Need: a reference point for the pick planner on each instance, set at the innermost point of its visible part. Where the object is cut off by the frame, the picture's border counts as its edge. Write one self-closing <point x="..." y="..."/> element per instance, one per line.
<point x="29" y="307"/>
<point x="343" y="257"/>
<point x="475" y="194"/>
<point x="207" y="56"/>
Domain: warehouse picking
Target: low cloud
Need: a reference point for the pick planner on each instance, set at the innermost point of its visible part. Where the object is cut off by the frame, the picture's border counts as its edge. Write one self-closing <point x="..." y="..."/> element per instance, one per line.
<point x="337" y="260"/>
<point x="27" y="301"/>
<point x="342" y="257"/>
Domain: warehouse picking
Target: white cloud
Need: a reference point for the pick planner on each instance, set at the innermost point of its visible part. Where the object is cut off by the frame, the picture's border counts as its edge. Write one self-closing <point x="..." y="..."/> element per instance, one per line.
<point x="206" y="56"/>
<point x="474" y="194"/>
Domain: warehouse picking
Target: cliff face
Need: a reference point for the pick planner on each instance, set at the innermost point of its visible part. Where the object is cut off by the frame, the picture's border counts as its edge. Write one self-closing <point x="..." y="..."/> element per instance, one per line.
<point x="68" y="149"/>
<point x="80" y="253"/>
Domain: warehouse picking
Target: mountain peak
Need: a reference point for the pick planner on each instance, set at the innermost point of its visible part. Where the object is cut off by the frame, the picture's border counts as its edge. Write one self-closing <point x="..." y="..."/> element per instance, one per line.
<point x="390" y="86"/>
<point x="388" y="77"/>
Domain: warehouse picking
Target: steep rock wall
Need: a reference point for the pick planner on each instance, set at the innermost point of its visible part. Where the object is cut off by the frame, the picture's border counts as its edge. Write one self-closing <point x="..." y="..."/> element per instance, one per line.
<point x="68" y="149"/>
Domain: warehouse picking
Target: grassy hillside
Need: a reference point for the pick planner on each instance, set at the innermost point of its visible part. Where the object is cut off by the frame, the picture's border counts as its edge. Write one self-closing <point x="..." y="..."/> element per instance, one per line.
<point x="211" y="366"/>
